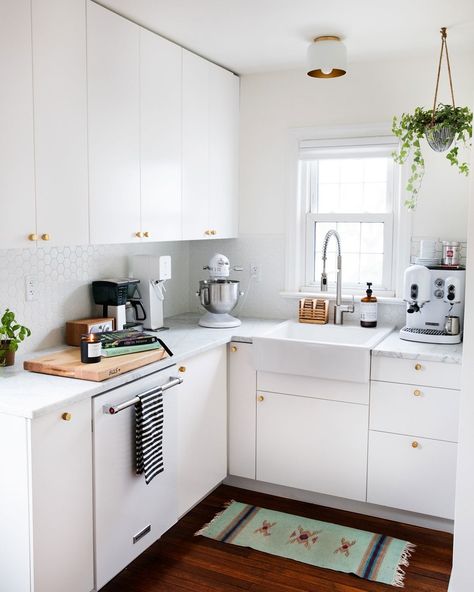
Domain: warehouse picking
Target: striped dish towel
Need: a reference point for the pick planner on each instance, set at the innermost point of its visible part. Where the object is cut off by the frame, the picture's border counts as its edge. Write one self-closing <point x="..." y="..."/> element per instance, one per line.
<point x="149" y="434"/>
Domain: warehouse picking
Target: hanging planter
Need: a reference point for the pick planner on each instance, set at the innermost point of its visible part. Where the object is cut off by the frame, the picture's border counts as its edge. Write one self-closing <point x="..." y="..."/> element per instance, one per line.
<point x="440" y="126"/>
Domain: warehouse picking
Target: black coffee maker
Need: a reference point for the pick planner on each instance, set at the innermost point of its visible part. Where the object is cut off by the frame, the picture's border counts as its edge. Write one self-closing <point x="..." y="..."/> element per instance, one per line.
<point x="113" y="294"/>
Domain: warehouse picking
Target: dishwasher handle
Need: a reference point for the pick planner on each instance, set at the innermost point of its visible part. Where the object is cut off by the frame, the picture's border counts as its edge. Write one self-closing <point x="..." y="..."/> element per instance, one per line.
<point x="174" y="381"/>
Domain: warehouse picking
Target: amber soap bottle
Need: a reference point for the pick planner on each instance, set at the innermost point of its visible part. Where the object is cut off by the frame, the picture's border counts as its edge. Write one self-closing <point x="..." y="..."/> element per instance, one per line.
<point x="368" y="308"/>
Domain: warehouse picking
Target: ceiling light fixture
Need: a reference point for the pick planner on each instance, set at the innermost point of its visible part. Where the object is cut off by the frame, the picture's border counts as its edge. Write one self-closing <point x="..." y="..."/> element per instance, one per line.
<point x="327" y="57"/>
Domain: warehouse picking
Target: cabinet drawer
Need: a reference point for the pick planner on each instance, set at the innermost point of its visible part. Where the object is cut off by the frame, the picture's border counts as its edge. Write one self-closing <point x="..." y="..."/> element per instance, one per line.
<point x="418" y="479"/>
<point x="417" y="410"/>
<point x="417" y="372"/>
<point x="317" y="388"/>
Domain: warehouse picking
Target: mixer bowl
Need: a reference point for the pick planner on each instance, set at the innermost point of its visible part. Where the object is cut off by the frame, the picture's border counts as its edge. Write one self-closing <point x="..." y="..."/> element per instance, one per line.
<point x="219" y="296"/>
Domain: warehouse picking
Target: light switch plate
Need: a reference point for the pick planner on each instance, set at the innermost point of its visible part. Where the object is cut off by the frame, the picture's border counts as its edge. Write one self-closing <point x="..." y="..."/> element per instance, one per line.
<point x="31" y="288"/>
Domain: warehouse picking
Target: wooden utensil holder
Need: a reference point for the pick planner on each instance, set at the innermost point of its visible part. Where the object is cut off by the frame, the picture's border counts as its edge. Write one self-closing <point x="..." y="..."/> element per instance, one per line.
<point x="313" y="310"/>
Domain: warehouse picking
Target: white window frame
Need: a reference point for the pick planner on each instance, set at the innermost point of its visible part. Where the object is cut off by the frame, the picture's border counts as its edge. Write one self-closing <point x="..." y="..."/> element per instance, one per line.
<point x="297" y="206"/>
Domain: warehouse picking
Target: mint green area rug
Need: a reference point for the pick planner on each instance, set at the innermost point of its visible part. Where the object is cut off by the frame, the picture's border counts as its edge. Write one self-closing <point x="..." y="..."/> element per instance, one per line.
<point x="366" y="554"/>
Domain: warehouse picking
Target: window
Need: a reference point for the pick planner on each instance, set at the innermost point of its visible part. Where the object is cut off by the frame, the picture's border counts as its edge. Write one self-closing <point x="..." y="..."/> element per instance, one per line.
<point x="350" y="185"/>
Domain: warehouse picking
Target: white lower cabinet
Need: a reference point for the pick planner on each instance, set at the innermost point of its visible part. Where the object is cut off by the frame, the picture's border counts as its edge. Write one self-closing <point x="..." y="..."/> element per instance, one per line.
<point x="46" y="502"/>
<point x="202" y="426"/>
<point x="414" y="474"/>
<point x="242" y="410"/>
<point x="312" y="444"/>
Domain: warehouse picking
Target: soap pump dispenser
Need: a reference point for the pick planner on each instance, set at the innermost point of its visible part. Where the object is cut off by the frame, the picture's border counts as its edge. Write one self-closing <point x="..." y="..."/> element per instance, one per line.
<point x="368" y="308"/>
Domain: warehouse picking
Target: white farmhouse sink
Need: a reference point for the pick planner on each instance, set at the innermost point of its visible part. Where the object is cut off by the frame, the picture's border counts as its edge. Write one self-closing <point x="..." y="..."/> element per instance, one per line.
<point x="338" y="352"/>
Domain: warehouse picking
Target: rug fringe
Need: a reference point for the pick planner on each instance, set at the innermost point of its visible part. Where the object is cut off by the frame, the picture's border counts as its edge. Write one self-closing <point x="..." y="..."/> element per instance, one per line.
<point x="399" y="580"/>
<point x="203" y="529"/>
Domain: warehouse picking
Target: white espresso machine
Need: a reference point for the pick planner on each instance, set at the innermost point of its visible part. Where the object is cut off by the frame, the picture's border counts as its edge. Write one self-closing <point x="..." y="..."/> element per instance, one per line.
<point x="152" y="271"/>
<point x="435" y="304"/>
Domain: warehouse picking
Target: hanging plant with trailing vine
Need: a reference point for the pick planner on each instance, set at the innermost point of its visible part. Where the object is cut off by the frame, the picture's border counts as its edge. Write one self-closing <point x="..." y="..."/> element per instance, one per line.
<point x="440" y="126"/>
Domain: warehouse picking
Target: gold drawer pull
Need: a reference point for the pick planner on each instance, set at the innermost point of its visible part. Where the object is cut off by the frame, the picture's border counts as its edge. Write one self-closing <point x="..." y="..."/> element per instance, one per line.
<point x="147" y="234"/>
<point x="233" y="348"/>
<point x="418" y="366"/>
<point x="414" y="444"/>
<point x="417" y="392"/>
<point x="213" y="232"/>
<point x="261" y="398"/>
<point x="182" y="369"/>
<point x="45" y="237"/>
<point x="33" y="237"/>
<point x="66" y="416"/>
<point x="139" y="234"/>
<point x="207" y="232"/>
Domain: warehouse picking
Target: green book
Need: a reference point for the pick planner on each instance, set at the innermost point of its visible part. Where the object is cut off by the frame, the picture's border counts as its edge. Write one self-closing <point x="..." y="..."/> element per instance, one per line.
<point x="130" y="349"/>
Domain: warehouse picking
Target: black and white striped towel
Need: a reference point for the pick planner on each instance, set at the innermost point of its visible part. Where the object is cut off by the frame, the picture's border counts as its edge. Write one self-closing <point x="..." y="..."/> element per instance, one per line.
<point x="149" y="419"/>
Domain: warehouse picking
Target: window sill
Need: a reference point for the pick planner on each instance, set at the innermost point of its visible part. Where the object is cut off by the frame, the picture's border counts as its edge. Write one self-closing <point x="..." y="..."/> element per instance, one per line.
<point x="332" y="295"/>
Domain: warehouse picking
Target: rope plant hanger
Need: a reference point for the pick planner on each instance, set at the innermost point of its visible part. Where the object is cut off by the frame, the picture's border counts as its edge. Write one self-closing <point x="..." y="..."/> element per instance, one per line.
<point x="441" y="126"/>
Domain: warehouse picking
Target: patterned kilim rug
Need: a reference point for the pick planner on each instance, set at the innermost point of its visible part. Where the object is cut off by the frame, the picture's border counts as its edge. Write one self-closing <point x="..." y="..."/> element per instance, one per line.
<point x="368" y="555"/>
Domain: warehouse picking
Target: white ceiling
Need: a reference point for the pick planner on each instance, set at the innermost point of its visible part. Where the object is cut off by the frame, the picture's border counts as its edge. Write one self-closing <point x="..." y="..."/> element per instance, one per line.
<point x="261" y="35"/>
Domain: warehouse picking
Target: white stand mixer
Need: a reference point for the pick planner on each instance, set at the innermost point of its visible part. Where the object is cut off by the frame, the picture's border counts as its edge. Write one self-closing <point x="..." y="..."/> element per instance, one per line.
<point x="219" y="295"/>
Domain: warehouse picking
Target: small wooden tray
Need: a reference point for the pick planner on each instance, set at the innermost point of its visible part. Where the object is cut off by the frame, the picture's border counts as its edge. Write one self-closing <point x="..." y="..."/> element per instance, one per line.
<point x="313" y="310"/>
<point x="68" y="363"/>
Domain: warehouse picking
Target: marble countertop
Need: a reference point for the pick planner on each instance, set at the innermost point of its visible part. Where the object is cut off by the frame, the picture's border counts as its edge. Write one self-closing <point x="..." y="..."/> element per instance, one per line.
<point x="394" y="347"/>
<point x="29" y="394"/>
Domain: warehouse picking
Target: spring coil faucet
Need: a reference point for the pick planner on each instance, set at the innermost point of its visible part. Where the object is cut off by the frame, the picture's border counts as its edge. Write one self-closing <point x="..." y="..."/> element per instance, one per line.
<point x="339" y="308"/>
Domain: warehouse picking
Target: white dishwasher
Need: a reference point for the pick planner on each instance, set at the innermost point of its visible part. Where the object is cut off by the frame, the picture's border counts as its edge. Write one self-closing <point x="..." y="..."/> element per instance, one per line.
<point x="130" y="515"/>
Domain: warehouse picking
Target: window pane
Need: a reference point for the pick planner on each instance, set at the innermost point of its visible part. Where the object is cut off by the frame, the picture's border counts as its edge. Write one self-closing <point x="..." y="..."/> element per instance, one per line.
<point x="351" y="198"/>
<point x="371" y="237"/>
<point x="371" y="269"/>
<point x="375" y="170"/>
<point x="328" y="201"/>
<point x="329" y="171"/>
<point x="375" y="197"/>
<point x="352" y="170"/>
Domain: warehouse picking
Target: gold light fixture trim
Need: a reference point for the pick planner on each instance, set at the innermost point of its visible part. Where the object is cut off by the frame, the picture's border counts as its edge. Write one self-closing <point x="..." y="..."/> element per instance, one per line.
<point x="327" y="57"/>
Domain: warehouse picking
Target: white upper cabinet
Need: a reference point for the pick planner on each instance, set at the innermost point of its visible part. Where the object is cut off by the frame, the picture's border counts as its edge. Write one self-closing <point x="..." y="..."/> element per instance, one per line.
<point x="223" y="152"/>
<point x="60" y="121"/>
<point x="210" y="140"/>
<point x="160" y="137"/>
<point x="195" y="147"/>
<point x="114" y="126"/>
<point x="17" y="192"/>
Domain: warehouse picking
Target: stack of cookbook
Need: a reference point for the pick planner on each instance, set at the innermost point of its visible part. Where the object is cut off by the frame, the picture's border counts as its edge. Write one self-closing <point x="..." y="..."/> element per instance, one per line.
<point x="118" y="343"/>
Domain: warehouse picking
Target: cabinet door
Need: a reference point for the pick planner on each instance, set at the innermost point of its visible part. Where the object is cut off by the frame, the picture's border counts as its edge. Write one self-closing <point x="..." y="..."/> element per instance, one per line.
<point x="60" y="108"/>
<point x="242" y="410"/>
<point x="195" y="147"/>
<point x="312" y="444"/>
<point x="61" y="466"/>
<point x="202" y="427"/>
<point x="160" y="137"/>
<point x="114" y="146"/>
<point x="17" y="188"/>
<point x="129" y="514"/>
<point x="223" y="152"/>
<point x="419" y="478"/>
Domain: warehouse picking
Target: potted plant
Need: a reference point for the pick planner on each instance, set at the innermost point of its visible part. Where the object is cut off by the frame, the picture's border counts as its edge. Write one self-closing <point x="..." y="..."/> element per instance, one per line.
<point x="440" y="128"/>
<point x="11" y="335"/>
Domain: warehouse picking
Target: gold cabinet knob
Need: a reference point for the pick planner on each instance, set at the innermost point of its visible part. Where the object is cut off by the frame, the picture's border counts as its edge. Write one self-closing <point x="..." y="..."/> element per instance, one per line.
<point x="207" y="232"/>
<point x="213" y="232"/>
<point x="233" y="348"/>
<point x="139" y="234"/>
<point x="33" y="237"/>
<point x="418" y="366"/>
<point x="260" y="398"/>
<point x="417" y="392"/>
<point x="414" y="444"/>
<point x="45" y="237"/>
<point x="147" y="234"/>
<point x="66" y="416"/>
<point x="182" y="369"/>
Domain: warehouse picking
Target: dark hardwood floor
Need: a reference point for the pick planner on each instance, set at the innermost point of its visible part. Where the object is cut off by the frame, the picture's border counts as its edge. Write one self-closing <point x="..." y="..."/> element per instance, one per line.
<point x="182" y="562"/>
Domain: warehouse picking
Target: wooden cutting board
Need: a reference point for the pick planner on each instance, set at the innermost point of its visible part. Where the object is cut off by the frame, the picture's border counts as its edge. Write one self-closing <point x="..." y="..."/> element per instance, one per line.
<point x="68" y="363"/>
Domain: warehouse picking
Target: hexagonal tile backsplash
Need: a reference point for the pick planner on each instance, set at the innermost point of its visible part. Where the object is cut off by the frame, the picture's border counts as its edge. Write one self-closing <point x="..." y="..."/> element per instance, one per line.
<point x="63" y="276"/>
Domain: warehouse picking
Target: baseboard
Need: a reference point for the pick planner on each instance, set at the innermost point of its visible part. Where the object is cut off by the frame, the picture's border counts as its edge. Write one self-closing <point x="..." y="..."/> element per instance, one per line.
<point x="343" y="504"/>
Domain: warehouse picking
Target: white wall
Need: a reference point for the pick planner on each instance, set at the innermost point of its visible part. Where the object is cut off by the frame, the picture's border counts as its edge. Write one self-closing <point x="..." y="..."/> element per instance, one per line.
<point x="370" y="93"/>
<point x="462" y="579"/>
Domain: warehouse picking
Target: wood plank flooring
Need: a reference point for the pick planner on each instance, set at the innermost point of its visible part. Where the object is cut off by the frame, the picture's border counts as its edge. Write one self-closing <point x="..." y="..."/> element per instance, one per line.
<point x="181" y="562"/>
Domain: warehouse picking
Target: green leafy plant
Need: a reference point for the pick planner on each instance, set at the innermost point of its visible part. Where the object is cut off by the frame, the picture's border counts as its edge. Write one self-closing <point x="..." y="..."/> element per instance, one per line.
<point x="11" y="333"/>
<point x="410" y="129"/>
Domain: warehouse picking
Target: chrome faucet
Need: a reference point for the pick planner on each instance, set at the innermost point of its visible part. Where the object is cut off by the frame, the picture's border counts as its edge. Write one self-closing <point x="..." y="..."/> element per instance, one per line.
<point x="339" y="308"/>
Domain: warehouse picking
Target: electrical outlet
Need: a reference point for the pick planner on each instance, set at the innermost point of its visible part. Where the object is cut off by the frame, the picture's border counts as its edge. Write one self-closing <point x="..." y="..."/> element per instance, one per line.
<point x="255" y="271"/>
<point x="31" y="288"/>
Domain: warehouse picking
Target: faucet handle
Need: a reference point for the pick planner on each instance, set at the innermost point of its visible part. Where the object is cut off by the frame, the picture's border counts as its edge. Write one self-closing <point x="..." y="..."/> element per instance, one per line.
<point x="352" y="305"/>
